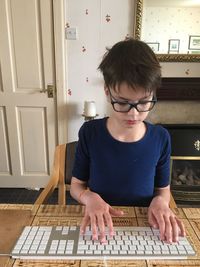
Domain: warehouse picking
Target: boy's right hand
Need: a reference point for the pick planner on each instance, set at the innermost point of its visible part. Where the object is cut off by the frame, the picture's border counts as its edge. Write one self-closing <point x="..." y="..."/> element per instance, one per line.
<point x="98" y="214"/>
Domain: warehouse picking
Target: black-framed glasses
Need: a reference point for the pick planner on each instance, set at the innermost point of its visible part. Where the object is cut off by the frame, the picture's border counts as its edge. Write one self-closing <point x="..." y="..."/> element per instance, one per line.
<point x="124" y="106"/>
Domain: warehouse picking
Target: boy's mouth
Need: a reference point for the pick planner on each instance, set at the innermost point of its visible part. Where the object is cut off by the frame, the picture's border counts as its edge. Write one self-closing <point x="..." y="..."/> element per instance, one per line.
<point x="131" y="122"/>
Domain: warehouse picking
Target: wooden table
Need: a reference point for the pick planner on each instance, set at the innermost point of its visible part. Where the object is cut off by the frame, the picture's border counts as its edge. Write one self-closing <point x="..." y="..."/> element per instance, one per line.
<point x="71" y="215"/>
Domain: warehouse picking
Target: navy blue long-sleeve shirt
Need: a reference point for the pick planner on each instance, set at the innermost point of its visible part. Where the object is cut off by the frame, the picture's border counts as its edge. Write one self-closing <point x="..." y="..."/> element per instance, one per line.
<point x="123" y="173"/>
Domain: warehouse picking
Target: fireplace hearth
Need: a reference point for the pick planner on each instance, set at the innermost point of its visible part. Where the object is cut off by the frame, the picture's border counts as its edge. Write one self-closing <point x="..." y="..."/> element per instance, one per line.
<point x="185" y="163"/>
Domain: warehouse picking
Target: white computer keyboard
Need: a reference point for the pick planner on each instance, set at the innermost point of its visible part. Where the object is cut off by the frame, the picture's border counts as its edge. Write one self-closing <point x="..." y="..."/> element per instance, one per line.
<point x="65" y="242"/>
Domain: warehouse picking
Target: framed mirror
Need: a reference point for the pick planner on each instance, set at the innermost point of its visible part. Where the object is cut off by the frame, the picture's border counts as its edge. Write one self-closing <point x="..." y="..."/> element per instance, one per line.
<point x="170" y="27"/>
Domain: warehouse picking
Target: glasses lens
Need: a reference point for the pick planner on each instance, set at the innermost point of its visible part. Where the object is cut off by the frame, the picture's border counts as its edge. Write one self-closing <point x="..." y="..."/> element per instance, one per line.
<point x="142" y="107"/>
<point x="121" y="107"/>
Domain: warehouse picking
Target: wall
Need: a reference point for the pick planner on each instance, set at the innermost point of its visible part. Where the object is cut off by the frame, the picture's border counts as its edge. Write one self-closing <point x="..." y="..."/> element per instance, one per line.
<point x="100" y="24"/>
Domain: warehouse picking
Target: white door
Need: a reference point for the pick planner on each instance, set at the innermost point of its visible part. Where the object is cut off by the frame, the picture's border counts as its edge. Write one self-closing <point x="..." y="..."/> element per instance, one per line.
<point x="28" y="127"/>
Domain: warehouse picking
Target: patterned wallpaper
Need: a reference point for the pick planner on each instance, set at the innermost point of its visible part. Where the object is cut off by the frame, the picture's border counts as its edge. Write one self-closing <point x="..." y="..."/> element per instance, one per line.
<point x="100" y="24"/>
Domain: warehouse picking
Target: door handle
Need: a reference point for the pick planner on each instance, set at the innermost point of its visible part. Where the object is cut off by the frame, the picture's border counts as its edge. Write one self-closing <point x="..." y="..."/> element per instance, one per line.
<point x="50" y="90"/>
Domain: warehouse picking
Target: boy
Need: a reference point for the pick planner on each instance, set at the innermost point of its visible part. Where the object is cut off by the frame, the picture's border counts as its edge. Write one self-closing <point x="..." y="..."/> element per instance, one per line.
<point x="122" y="159"/>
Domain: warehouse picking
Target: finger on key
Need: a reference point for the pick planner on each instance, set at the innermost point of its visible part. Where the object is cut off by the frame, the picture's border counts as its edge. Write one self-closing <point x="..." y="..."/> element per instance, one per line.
<point x="181" y="227"/>
<point x="94" y="227"/>
<point x="84" y="224"/>
<point x="175" y="229"/>
<point x="109" y="223"/>
<point x="168" y="230"/>
<point x="101" y="226"/>
<point x="152" y="220"/>
<point x="161" y="224"/>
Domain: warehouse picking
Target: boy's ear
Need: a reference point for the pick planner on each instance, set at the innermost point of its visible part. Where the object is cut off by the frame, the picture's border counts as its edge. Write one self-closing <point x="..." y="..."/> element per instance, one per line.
<point x="106" y="90"/>
<point x="106" y="93"/>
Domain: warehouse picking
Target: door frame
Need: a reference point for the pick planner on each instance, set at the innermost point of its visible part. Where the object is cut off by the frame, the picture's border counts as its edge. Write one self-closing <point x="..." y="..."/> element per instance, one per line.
<point x="59" y="20"/>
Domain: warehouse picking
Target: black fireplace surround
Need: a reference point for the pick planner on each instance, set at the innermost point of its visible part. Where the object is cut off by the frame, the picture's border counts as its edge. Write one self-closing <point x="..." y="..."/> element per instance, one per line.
<point x="185" y="163"/>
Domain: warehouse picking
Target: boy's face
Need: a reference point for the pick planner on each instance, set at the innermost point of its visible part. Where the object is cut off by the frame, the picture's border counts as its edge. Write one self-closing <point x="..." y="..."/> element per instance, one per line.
<point x="125" y="114"/>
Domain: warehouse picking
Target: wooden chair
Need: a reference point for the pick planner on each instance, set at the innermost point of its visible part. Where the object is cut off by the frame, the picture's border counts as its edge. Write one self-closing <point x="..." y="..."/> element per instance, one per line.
<point x="172" y="203"/>
<point x="61" y="175"/>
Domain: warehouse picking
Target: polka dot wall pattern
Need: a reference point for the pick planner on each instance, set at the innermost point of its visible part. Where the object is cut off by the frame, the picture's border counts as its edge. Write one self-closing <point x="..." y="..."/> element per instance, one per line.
<point x="100" y="24"/>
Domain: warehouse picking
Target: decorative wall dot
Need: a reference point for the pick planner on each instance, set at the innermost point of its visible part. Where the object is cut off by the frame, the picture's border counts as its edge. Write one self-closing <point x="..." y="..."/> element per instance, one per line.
<point x="83" y="49"/>
<point x="86" y="11"/>
<point x="67" y="25"/>
<point x="187" y="72"/>
<point x="127" y="37"/>
<point x="108" y="18"/>
<point x="69" y="92"/>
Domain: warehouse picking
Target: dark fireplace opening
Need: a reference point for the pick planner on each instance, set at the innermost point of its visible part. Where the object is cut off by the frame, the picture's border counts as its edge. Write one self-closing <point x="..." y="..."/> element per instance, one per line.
<point x="185" y="172"/>
<point x="185" y="163"/>
<point x="185" y="181"/>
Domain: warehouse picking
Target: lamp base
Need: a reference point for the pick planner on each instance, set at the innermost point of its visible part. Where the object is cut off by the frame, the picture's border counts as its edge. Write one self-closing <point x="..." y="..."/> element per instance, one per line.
<point x="89" y="118"/>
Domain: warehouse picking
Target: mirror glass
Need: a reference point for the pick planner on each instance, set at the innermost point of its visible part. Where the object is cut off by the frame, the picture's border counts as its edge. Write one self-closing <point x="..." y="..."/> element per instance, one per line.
<point x="170" y="27"/>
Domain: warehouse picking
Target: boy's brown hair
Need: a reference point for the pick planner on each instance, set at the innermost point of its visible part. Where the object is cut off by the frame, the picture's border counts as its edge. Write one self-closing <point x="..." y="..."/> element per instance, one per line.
<point x="133" y="62"/>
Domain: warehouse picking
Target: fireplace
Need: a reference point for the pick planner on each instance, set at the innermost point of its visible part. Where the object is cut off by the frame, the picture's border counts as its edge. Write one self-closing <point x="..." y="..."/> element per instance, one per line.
<point x="185" y="163"/>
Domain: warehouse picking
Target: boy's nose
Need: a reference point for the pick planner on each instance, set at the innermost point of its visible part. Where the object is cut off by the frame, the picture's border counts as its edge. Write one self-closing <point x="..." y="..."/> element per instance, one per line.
<point x="133" y="110"/>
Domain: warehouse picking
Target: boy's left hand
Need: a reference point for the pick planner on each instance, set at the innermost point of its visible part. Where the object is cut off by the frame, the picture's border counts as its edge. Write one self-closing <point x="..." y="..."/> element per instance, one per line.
<point x="161" y="216"/>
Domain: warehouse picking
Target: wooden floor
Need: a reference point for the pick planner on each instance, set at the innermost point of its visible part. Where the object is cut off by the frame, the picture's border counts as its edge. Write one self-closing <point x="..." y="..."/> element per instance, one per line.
<point x="27" y="196"/>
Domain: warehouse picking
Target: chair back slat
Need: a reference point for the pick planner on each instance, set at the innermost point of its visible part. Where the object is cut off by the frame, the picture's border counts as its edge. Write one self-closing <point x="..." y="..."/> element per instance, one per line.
<point x="61" y="182"/>
<point x="69" y="160"/>
<point x="50" y="187"/>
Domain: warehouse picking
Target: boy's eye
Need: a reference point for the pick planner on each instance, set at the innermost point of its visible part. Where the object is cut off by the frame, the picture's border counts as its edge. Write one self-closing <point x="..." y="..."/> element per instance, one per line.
<point x="143" y="102"/>
<point x="129" y="103"/>
<point x="122" y="103"/>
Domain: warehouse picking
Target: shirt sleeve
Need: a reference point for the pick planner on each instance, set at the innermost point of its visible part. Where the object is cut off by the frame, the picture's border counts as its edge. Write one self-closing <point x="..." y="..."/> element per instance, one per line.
<point x="162" y="177"/>
<point x="81" y="163"/>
